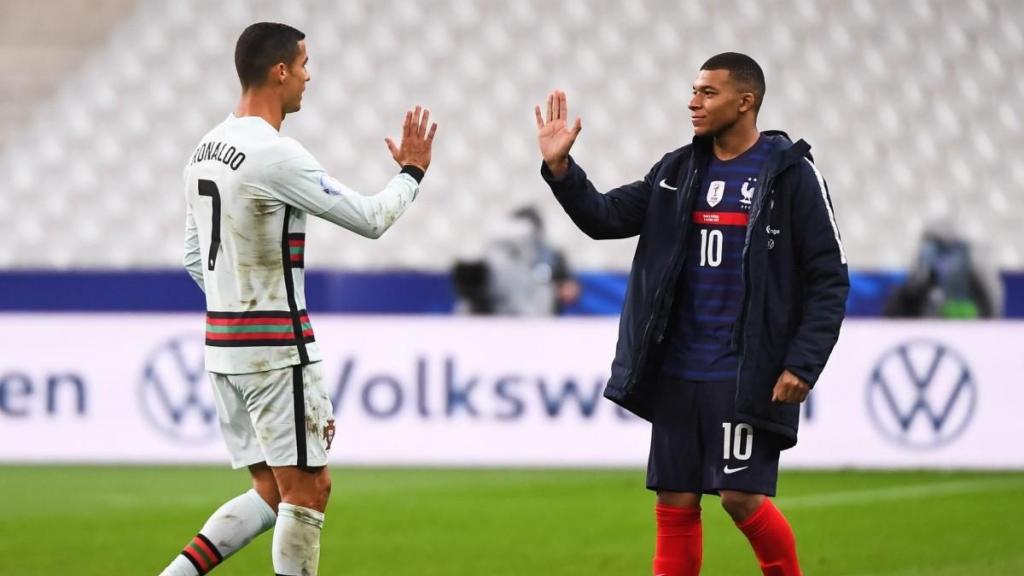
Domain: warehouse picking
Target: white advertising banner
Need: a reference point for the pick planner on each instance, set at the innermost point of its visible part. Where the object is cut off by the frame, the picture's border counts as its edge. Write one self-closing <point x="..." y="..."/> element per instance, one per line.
<point x="492" y="392"/>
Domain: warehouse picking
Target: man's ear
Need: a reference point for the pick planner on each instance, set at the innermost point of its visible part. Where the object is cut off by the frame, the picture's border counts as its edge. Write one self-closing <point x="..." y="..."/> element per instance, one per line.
<point x="747" y="101"/>
<point x="280" y="72"/>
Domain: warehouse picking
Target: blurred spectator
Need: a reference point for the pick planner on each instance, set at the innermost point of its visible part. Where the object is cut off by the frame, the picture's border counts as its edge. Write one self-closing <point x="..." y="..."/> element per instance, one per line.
<point x="471" y="279"/>
<point x="945" y="282"/>
<point x="520" y="274"/>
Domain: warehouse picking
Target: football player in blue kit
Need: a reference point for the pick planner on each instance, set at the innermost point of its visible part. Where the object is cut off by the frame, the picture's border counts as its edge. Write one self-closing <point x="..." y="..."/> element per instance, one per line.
<point x="735" y="300"/>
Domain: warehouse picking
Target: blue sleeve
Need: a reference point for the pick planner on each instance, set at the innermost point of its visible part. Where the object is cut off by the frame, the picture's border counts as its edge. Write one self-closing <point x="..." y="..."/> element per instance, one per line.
<point x="618" y="213"/>
<point x="823" y="274"/>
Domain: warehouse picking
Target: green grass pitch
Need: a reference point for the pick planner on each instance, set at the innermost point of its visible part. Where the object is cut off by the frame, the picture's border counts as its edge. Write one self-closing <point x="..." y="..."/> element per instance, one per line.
<point x="57" y="520"/>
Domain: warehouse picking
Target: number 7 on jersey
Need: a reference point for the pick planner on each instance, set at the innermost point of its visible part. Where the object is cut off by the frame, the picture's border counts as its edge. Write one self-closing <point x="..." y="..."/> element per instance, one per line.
<point x="209" y="188"/>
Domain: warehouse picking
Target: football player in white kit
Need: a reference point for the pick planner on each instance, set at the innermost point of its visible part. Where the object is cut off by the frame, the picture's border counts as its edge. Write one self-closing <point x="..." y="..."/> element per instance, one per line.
<point x="248" y="190"/>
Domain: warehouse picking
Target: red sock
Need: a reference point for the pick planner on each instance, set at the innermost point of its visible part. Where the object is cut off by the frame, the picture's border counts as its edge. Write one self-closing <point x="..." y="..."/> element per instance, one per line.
<point x="773" y="541"/>
<point x="679" y="547"/>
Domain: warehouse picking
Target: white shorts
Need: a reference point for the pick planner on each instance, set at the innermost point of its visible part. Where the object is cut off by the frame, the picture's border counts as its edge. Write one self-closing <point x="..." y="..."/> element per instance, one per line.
<point x="282" y="417"/>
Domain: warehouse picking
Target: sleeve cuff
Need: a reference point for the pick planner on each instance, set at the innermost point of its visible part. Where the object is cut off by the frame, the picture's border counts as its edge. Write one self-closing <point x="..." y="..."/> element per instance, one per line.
<point x="803" y="375"/>
<point x="416" y="172"/>
<point x="545" y="172"/>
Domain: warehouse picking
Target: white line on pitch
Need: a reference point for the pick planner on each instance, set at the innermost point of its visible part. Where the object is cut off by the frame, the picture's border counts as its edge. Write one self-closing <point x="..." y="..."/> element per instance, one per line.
<point x="913" y="491"/>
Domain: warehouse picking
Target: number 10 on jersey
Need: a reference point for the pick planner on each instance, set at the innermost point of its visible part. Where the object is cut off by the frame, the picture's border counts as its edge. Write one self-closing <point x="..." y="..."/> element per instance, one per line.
<point x="711" y="247"/>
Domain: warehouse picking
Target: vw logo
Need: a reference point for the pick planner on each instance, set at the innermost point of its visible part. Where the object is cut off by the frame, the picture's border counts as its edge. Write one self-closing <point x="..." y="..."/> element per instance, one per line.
<point x="921" y="394"/>
<point x="175" y="392"/>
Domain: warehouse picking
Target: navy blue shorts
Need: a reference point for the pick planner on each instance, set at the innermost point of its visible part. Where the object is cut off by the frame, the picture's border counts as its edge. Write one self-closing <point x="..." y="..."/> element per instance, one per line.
<point x="697" y="446"/>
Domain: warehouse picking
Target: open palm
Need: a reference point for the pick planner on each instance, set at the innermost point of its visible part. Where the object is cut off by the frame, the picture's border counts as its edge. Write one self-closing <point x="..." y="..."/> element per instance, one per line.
<point x="554" y="135"/>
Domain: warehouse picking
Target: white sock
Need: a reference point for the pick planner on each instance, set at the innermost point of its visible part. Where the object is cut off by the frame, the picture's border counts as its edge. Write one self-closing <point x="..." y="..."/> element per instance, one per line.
<point x="296" y="549"/>
<point x="230" y="528"/>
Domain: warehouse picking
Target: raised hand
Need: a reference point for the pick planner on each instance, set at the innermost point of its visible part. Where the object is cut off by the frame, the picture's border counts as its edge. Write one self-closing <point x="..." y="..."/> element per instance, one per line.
<point x="416" y="144"/>
<point x="554" y="136"/>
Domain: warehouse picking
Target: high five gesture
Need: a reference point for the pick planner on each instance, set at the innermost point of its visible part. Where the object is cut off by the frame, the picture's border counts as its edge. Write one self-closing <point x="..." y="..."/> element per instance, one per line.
<point x="417" y="142"/>
<point x="554" y="136"/>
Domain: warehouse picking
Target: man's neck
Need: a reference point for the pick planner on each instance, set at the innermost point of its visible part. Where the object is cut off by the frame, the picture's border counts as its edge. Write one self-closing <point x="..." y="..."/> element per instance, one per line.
<point x="253" y="103"/>
<point x="735" y="141"/>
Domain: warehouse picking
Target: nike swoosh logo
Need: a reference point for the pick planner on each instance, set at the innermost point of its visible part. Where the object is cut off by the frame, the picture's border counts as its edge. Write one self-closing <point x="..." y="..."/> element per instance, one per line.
<point x="728" y="470"/>
<point x="663" y="185"/>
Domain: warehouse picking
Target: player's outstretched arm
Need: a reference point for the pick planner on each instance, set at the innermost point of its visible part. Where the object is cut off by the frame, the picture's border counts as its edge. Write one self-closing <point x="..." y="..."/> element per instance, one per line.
<point x="318" y="194"/>
<point x="617" y="214"/>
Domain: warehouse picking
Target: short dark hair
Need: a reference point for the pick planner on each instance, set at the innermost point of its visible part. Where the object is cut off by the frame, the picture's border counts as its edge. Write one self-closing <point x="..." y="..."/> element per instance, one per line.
<point x="261" y="46"/>
<point x="743" y="70"/>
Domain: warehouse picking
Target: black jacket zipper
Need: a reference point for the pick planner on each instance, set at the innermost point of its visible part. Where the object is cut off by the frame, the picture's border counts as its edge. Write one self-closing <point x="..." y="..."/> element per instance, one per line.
<point x="659" y="294"/>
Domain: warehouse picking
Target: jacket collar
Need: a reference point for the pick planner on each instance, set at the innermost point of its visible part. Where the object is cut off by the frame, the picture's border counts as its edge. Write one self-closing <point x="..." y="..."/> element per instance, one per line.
<point x="785" y="152"/>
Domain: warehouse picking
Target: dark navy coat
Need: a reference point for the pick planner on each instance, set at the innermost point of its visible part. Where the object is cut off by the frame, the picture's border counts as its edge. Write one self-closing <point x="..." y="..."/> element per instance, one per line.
<point x="794" y="272"/>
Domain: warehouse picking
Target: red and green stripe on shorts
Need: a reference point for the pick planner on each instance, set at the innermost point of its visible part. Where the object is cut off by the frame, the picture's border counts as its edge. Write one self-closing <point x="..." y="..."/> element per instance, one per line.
<point x="257" y="328"/>
<point x="202" y="554"/>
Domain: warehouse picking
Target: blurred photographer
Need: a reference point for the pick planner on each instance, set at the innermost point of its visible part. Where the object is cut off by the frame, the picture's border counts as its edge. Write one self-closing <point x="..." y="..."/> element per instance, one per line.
<point x="520" y="274"/>
<point x="945" y="282"/>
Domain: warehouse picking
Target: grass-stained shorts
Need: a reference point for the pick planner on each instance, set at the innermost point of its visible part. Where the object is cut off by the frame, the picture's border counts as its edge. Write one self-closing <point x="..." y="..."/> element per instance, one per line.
<point x="282" y="417"/>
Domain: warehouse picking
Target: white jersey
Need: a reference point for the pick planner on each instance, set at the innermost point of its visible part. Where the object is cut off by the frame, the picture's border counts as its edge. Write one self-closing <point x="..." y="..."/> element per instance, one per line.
<point x="248" y="191"/>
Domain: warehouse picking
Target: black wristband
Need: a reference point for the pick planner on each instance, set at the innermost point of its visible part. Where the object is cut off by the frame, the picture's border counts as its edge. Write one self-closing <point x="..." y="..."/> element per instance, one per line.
<point x="414" y="171"/>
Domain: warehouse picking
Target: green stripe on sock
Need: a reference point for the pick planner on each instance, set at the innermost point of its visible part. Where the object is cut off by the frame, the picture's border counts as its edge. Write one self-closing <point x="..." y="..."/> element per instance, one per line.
<point x="209" y="561"/>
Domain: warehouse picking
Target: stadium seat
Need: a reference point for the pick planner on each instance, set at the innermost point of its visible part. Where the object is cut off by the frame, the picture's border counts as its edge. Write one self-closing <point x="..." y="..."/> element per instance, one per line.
<point x="896" y="99"/>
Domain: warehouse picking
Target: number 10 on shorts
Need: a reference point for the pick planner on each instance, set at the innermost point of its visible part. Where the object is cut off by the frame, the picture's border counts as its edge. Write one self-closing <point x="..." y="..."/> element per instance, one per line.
<point x="738" y="441"/>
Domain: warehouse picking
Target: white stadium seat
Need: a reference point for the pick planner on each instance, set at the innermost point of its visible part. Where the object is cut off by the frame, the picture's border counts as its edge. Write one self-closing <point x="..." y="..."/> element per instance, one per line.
<point x="915" y="110"/>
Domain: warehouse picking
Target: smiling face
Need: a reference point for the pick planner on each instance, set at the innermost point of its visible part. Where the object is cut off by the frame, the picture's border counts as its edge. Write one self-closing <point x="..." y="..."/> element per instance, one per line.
<point x="718" y="103"/>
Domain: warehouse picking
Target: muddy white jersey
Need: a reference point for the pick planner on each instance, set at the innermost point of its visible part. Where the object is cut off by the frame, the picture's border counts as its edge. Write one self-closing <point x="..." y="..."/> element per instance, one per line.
<point x="248" y="190"/>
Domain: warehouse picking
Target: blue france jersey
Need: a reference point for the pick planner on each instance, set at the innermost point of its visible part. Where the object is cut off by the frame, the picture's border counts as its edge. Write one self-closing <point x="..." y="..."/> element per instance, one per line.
<point x="710" y="286"/>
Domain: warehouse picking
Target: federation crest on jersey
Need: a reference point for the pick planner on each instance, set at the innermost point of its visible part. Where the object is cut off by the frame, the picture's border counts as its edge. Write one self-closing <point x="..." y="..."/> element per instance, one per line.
<point x="715" y="192"/>
<point x="747" y="191"/>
